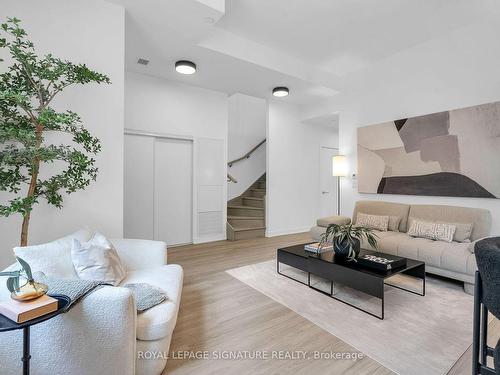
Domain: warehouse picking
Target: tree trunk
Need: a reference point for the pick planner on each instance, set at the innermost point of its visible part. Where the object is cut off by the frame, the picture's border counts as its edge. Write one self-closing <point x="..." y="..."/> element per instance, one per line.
<point x="24" y="229"/>
<point x="32" y="187"/>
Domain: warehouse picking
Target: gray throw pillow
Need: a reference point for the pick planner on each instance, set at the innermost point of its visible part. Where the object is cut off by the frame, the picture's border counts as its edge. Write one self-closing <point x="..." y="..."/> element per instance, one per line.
<point x="394" y="222"/>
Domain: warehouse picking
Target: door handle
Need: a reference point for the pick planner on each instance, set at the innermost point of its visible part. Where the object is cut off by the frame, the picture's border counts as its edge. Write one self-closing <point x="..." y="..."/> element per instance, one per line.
<point x="325" y="192"/>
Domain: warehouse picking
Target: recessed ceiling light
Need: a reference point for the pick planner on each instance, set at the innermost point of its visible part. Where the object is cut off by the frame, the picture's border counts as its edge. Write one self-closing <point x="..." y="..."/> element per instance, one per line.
<point x="143" y="61"/>
<point x="185" y="67"/>
<point x="280" y="91"/>
<point x="209" y="20"/>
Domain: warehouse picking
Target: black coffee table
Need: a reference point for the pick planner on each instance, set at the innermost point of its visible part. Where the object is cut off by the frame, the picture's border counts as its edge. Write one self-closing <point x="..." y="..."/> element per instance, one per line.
<point x="350" y="274"/>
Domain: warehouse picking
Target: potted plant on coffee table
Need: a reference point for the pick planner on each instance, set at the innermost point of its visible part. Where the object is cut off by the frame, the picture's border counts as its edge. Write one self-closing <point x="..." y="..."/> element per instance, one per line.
<point x="346" y="239"/>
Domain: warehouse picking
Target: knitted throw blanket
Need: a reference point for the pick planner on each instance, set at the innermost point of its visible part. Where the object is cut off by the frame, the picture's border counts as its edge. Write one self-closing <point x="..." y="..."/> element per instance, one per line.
<point x="145" y="295"/>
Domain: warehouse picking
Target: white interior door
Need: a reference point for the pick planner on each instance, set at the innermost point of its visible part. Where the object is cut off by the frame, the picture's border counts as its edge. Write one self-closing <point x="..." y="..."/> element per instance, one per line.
<point x="327" y="183"/>
<point x="138" y="187"/>
<point x="173" y="190"/>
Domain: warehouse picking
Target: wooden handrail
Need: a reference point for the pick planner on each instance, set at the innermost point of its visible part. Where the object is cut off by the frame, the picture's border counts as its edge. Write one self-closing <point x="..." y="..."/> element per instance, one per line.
<point x="247" y="155"/>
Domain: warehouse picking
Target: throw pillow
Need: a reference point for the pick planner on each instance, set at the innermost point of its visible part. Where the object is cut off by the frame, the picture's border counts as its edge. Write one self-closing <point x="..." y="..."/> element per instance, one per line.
<point x="394" y="223"/>
<point x="97" y="260"/>
<point x="463" y="231"/>
<point x="432" y="230"/>
<point x="372" y="221"/>
<point x="53" y="258"/>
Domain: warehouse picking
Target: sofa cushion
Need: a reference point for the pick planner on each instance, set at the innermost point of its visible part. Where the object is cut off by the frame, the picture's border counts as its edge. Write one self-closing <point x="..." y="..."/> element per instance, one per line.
<point x="326" y="221"/>
<point x="393" y="243"/>
<point x="53" y="258"/>
<point x="159" y="321"/>
<point x="453" y="256"/>
<point x="383" y="239"/>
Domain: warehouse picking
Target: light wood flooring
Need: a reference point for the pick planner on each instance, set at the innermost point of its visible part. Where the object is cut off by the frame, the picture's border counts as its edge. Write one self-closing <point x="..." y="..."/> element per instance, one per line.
<point x="219" y="315"/>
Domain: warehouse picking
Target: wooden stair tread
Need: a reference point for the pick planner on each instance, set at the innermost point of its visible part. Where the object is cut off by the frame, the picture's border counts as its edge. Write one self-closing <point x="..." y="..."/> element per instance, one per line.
<point x="244" y="229"/>
<point x="235" y="217"/>
<point x="247" y="207"/>
<point x="259" y="190"/>
<point x="254" y="198"/>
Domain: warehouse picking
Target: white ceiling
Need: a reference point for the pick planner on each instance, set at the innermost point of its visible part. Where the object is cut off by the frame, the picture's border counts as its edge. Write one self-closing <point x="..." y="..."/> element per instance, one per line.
<point x="317" y="48"/>
<point x="341" y="36"/>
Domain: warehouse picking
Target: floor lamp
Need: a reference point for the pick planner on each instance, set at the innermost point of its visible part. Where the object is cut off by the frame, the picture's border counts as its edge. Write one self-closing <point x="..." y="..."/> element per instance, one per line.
<point x="339" y="169"/>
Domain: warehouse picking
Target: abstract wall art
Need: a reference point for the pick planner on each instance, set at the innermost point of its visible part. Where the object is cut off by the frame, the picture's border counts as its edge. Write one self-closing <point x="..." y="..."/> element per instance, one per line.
<point x="454" y="153"/>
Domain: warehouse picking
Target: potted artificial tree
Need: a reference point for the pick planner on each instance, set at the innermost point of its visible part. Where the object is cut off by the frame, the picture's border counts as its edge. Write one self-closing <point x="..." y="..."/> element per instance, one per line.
<point x="27" y="88"/>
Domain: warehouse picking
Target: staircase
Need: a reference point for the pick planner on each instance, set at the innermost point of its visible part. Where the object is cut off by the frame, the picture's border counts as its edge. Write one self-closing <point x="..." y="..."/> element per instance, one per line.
<point x="246" y="214"/>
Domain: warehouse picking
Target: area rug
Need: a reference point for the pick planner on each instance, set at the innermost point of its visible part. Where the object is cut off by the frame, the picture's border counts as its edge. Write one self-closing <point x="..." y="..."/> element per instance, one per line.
<point x="419" y="335"/>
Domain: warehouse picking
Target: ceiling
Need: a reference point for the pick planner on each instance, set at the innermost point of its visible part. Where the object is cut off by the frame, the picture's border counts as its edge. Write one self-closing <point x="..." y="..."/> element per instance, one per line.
<point x="318" y="48"/>
<point x="342" y="36"/>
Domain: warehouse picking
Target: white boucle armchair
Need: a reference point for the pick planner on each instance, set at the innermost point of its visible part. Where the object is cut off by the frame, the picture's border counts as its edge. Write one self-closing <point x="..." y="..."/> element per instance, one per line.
<point x="103" y="334"/>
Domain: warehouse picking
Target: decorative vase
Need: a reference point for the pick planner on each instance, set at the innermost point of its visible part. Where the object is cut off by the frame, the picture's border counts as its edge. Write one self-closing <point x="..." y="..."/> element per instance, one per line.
<point x="29" y="291"/>
<point x="341" y="249"/>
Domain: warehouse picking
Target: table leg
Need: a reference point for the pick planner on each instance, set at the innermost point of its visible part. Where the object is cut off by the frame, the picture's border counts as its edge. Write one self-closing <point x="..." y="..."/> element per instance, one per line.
<point x="26" y="351"/>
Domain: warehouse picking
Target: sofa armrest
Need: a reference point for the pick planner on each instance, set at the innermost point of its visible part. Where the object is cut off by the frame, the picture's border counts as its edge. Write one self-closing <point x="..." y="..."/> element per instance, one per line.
<point x="141" y="254"/>
<point x="326" y="221"/>
<point x="97" y="336"/>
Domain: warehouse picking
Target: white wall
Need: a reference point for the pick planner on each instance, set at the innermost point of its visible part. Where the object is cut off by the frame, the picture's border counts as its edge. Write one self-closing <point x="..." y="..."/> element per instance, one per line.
<point x="90" y="33"/>
<point x="293" y="149"/>
<point x="457" y="70"/>
<point x="168" y="107"/>
<point x="160" y="106"/>
<point x="247" y="123"/>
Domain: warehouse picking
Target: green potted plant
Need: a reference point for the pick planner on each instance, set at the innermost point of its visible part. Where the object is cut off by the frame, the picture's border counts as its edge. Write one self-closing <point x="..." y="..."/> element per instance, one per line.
<point x="346" y="239"/>
<point x="27" y="90"/>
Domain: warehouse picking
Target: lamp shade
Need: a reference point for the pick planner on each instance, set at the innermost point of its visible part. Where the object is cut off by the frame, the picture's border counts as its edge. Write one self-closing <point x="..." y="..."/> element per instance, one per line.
<point x="339" y="166"/>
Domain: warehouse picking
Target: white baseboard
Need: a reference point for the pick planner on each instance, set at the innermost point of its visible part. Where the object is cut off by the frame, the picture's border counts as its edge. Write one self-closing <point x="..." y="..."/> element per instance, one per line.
<point x="282" y="232"/>
<point x="212" y="238"/>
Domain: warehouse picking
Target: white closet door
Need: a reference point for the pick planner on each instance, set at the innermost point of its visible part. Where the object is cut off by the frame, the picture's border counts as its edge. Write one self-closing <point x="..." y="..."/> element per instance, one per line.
<point x="138" y="187"/>
<point x="173" y="191"/>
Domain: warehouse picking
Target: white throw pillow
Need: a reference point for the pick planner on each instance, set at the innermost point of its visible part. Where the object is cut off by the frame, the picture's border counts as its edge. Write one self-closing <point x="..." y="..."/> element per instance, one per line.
<point x="98" y="260"/>
<point x="432" y="230"/>
<point x="53" y="258"/>
<point x="377" y="222"/>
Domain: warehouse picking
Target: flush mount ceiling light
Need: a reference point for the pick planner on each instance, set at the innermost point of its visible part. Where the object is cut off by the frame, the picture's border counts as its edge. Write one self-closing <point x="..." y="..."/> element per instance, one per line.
<point x="185" y="67"/>
<point x="280" y="91"/>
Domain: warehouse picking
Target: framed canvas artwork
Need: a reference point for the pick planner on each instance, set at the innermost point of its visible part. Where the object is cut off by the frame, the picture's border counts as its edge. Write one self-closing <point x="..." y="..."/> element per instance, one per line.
<point x="454" y="153"/>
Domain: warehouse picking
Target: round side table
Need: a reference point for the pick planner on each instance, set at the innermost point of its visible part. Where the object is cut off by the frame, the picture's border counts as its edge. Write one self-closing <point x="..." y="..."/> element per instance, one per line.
<point x="8" y="325"/>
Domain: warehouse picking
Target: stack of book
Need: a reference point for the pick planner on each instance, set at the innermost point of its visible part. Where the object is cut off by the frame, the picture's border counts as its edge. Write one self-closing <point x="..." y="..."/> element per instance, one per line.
<point x="317" y="248"/>
<point x="21" y="312"/>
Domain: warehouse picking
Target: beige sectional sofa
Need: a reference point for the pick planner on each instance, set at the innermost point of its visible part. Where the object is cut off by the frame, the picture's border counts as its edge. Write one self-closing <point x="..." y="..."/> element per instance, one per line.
<point x="454" y="259"/>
